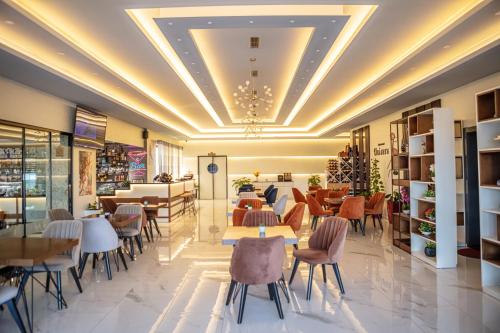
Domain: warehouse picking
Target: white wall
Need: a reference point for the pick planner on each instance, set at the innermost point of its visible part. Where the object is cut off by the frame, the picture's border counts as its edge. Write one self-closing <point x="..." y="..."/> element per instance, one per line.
<point x="301" y="157"/>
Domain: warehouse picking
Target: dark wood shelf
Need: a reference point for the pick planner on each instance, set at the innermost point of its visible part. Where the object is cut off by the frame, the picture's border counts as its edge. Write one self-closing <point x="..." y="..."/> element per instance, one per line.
<point x="488" y="105"/>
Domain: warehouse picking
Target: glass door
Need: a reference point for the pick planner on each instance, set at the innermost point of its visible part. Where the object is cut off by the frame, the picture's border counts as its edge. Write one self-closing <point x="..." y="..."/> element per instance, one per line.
<point x="60" y="185"/>
<point x="36" y="174"/>
<point x="11" y="169"/>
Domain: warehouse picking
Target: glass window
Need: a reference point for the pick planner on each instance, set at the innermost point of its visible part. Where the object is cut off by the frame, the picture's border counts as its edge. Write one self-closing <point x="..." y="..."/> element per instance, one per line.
<point x="168" y="158"/>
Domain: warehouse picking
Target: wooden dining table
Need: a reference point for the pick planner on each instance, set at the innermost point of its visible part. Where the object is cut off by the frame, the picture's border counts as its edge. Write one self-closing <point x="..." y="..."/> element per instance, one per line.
<point x="117" y="220"/>
<point x="25" y="253"/>
<point x="233" y="234"/>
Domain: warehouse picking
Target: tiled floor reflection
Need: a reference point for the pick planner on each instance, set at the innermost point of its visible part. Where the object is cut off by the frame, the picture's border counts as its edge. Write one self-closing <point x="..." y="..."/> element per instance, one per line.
<point x="180" y="282"/>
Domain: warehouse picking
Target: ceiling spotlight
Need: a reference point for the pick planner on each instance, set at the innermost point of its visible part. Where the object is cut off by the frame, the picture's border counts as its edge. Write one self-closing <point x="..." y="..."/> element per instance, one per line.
<point x="312" y="61"/>
<point x="251" y="22"/>
<point x="497" y="13"/>
<point x="193" y="63"/>
<point x="94" y="73"/>
<point x="197" y="72"/>
<point x="60" y="53"/>
<point x="317" y="50"/>
<point x="447" y="46"/>
<point x="170" y="23"/>
<point x="186" y="52"/>
<point x="209" y="22"/>
<point x="292" y="21"/>
<point x="333" y="21"/>
<point x="179" y="39"/>
<point x="324" y="37"/>
<point x="9" y="22"/>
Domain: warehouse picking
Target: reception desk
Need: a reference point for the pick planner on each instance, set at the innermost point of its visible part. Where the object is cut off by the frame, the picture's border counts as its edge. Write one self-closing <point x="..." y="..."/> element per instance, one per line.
<point x="169" y="193"/>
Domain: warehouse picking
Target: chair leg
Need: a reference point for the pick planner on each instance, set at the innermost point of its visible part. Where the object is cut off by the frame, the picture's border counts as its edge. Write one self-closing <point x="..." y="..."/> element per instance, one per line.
<point x="362" y="227"/>
<point x="243" y="299"/>
<point x="156" y="226"/>
<point x="15" y="314"/>
<point x="75" y="277"/>
<point x="84" y="262"/>
<point x="120" y="253"/>
<point x="279" y="218"/>
<point x="355" y="223"/>
<point x="108" y="266"/>
<point x="132" y="250"/>
<point x="47" y="283"/>
<point x="380" y="222"/>
<point x="277" y="300"/>
<point x="94" y="260"/>
<point x="236" y="291"/>
<point x="270" y="291"/>
<point x="59" y="290"/>
<point x="294" y="270"/>
<point x="115" y="259"/>
<point x="284" y="288"/>
<point x="324" y="272"/>
<point x="336" y="270"/>
<point x="145" y="229"/>
<point x="138" y="241"/>
<point x="230" y="292"/>
<point x="309" y="283"/>
<point x="296" y="246"/>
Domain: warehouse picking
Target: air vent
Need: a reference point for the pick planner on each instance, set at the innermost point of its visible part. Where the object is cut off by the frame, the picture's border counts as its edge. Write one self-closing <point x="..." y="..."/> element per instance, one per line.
<point x="255" y="73"/>
<point x="254" y="42"/>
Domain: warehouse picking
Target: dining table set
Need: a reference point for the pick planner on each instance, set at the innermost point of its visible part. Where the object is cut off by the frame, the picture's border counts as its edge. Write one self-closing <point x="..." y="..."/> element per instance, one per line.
<point x="259" y="238"/>
<point x="67" y="243"/>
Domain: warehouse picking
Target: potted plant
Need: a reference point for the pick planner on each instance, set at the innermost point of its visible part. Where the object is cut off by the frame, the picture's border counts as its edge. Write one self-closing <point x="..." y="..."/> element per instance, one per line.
<point x="393" y="203"/>
<point x="430" y="214"/>
<point x="430" y="249"/>
<point x="426" y="229"/>
<point x="376" y="183"/>
<point x="432" y="172"/>
<point x="430" y="194"/>
<point x="239" y="182"/>
<point x="314" y="180"/>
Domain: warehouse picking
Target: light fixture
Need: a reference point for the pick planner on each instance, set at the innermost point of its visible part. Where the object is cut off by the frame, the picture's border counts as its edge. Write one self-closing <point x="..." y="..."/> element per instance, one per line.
<point x="248" y="99"/>
<point x="292" y="21"/>
<point x="60" y="53"/>
<point x="209" y="22"/>
<point x="447" y="46"/>
<point x="9" y="22"/>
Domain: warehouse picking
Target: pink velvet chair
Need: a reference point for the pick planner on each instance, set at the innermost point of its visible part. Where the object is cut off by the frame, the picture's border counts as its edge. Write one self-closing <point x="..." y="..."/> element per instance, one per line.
<point x="257" y="261"/>
<point x="326" y="247"/>
<point x="316" y="211"/>
<point x="255" y="203"/>
<point x="375" y="208"/>
<point x="254" y="218"/>
<point x="353" y="209"/>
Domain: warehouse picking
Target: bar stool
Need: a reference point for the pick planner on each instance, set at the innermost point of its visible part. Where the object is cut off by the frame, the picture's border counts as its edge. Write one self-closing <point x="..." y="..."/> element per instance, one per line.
<point x="188" y="203"/>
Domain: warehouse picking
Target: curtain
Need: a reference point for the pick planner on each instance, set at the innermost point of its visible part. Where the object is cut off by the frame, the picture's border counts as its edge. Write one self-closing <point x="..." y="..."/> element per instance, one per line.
<point x="168" y="158"/>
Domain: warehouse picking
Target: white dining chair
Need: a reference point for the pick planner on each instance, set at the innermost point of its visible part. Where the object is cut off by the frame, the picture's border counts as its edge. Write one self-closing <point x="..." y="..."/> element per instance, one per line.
<point x="279" y="206"/>
<point x="98" y="237"/>
<point x="7" y="297"/>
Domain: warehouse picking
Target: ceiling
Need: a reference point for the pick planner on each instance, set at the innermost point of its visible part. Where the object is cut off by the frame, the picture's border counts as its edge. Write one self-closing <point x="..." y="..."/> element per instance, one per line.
<point x="175" y="65"/>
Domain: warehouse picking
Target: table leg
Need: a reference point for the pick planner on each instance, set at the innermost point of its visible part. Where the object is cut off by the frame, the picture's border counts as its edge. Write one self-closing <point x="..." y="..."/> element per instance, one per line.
<point x="150" y="221"/>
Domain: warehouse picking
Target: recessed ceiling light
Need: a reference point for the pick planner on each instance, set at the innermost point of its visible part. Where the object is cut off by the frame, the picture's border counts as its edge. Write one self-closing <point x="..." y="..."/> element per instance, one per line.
<point x="60" y="53"/>
<point x="324" y="37"/>
<point x="447" y="46"/>
<point x="251" y="22"/>
<point x="497" y="13"/>
<point x="186" y="52"/>
<point x="333" y="21"/>
<point x="9" y="22"/>
<point x="193" y="63"/>
<point x="94" y="73"/>
<point x="303" y="78"/>
<point x="209" y="22"/>
<point x="292" y="21"/>
<point x="312" y="61"/>
<point x="317" y="50"/>
<point x="170" y="23"/>
<point x="412" y="68"/>
<point x="197" y="72"/>
<point x="307" y="71"/>
<point x="179" y="39"/>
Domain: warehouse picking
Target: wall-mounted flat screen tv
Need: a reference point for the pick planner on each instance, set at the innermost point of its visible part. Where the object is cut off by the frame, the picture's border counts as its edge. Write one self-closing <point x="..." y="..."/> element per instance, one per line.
<point x="90" y="129"/>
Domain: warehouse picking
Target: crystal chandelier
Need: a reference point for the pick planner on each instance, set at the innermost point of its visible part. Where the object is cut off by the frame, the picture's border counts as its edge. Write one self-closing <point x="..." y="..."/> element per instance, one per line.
<point x="248" y="99"/>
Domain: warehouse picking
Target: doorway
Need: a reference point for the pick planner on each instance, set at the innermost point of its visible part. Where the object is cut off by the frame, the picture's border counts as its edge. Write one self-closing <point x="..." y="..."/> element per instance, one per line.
<point x="212" y="177"/>
<point x="471" y="189"/>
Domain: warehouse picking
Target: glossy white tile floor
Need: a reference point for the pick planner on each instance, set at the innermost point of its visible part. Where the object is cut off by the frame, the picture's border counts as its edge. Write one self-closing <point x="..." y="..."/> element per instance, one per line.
<point x="180" y="282"/>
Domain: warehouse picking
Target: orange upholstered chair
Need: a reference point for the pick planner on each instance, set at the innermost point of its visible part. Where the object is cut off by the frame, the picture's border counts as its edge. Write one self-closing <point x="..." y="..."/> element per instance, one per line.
<point x="298" y="196"/>
<point x="316" y="211"/>
<point x="314" y="187"/>
<point x="326" y="247"/>
<point x="321" y="194"/>
<point x="255" y="203"/>
<point x="294" y="217"/>
<point x="238" y="215"/>
<point x="353" y="209"/>
<point x="254" y="218"/>
<point x="375" y="207"/>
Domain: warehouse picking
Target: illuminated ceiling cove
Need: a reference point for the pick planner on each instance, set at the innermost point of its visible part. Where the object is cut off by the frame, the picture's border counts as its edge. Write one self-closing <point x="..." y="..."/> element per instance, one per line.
<point x="178" y="63"/>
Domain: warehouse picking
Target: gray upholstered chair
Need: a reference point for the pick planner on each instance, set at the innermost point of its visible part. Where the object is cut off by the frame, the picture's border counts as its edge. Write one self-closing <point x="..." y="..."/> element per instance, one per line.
<point x="257" y="261"/>
<point x="280" y="205"/>
<point x="133" y="230"/>
<point x="58" y="214"/>
<point x="326" y="247"/>
<point x="8" y="297"/>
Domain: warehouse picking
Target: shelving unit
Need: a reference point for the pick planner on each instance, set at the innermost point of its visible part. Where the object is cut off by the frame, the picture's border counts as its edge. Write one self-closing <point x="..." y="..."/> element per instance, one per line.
<point x="488" y="132"/>
<point x="340" y="171"/>
<point x="401" y="236"/>
<point x="112" y="169"/>
<point x="431" y="142"/>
